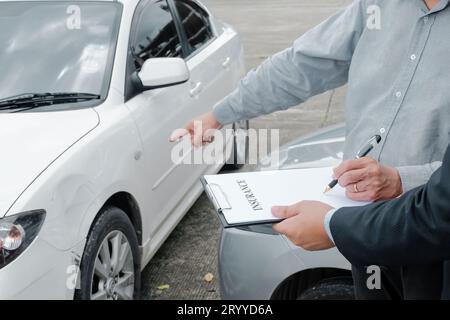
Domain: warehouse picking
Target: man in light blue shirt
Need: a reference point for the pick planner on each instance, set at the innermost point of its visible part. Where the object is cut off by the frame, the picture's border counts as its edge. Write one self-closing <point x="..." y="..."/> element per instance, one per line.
<point x="394" y="56"/>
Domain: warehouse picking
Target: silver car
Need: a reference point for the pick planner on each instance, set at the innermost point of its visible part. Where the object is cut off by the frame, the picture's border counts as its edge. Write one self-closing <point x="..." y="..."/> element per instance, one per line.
<point x="257" y="263"/>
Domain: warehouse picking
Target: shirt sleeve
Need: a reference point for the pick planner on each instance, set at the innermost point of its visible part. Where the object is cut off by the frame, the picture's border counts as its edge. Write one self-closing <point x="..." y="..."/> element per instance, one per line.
<point x="318" y="61"/>
<point x="414" y="176"/>
<point x="326" y="223"/>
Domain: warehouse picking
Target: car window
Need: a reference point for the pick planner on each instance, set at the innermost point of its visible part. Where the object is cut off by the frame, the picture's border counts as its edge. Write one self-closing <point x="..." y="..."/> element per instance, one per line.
<point x="156" y="34"/>
<point x="196" y="23"/>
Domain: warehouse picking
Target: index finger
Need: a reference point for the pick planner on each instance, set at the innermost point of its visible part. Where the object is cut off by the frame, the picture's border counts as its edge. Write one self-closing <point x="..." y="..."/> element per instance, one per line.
<point x="349" y="165"/>
<point x="280" y="227"/>
<point x="178" y="134"/>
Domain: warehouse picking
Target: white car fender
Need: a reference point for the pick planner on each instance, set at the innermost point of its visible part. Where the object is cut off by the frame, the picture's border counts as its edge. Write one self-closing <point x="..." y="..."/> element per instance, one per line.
<point x="67" y="190"/>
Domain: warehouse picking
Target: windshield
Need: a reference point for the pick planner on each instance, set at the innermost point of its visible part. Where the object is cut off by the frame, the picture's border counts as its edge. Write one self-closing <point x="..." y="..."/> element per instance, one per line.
<point x="57" y="47"/>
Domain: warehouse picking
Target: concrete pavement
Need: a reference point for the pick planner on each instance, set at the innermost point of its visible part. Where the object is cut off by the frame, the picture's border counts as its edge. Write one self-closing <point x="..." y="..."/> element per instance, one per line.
<point x="266" y="27"/>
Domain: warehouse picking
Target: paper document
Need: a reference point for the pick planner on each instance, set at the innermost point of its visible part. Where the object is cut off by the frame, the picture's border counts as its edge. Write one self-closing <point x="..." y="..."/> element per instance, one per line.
<point x="247" y="198"/>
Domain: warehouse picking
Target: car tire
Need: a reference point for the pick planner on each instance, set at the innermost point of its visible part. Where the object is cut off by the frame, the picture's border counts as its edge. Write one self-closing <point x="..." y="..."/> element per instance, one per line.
<point x="330" y="289"/>
<point x="103" y="276"/>
<point x="239" y="153"/>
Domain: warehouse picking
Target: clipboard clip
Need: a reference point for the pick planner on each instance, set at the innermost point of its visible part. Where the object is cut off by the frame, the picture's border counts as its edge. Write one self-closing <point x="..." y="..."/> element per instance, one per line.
<point x="217" y="196"/>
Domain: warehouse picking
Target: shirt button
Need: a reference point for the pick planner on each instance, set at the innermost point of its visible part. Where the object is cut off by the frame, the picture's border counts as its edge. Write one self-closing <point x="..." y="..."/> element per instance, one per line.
<point x="398" y="94"/>
<point x="413" y="57"/>
<point x="382" y="130"/>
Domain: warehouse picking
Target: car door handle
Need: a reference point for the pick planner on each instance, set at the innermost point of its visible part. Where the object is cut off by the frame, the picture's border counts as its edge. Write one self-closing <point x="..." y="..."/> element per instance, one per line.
<point x="226" y="63"/>
<point x="195" y="91"/>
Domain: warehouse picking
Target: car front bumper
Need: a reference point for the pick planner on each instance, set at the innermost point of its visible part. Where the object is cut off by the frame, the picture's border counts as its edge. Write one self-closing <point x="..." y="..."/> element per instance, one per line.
<point x="40" y="272"/>
<point x="252" y="265"/>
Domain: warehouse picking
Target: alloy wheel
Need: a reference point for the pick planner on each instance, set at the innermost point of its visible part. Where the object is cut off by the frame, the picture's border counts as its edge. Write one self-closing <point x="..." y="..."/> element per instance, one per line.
<point x="113" y="277"/>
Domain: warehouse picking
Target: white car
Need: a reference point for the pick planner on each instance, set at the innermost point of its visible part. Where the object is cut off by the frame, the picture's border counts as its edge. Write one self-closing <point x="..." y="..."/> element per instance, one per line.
<point x="90" y="91"/>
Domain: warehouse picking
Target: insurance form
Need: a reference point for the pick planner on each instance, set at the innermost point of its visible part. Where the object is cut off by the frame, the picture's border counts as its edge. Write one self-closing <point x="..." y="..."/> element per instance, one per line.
<point x="247" y="198"/>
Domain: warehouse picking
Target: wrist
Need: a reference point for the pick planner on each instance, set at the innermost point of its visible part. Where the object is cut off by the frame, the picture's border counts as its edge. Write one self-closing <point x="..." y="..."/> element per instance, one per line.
<point x="393" y="182"/>
<point x="214" y="122"/>
<point x="398" y="184"/>
<point x="326" y="224"/>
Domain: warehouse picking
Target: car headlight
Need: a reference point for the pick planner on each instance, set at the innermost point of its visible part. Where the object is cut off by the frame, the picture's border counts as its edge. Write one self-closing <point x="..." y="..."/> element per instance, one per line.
<point x="17" y="232"/>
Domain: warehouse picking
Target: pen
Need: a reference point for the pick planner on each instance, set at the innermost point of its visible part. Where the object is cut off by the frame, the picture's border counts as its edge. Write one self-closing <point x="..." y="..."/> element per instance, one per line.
<point x="364" y="151"/>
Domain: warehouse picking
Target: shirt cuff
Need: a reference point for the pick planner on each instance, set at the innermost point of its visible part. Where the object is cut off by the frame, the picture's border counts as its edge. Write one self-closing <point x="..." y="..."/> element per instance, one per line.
<point x="414" y="176"/>
<point x="224" y="113"/>
<point x="326" y="223"/>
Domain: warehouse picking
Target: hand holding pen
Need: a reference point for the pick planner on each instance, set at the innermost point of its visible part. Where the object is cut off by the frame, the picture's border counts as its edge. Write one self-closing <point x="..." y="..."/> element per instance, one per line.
<point x="365" y="179"/>
<point x="364" y="151"/>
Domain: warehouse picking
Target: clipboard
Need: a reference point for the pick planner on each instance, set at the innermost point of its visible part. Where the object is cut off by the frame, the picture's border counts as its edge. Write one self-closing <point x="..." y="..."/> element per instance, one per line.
<point x="246" y="199"/>
<point x="220" y="202"/>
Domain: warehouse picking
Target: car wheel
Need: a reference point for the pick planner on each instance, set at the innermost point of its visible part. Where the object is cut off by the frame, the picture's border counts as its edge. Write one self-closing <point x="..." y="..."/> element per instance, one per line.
<point x="240" y="146"/>
<point x="110" y="267"/>
<point x="330" y="289"/>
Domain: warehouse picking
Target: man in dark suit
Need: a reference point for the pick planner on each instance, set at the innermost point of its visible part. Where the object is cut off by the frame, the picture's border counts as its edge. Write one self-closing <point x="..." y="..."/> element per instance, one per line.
<point x="413" y="230"/>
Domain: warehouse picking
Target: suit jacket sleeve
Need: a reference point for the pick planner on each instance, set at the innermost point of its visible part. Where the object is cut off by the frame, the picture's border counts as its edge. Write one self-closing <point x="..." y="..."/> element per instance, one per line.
<point x="411" y="230"/>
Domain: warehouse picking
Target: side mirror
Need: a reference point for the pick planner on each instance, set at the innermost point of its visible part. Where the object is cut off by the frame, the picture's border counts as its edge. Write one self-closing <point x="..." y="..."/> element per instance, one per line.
<point x="163" y="72"/>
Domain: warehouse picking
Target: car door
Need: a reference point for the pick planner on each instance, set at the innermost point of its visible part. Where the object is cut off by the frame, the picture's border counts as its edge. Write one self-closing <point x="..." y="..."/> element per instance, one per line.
<point x="158" y="112"/>
<point x="214" y="58"/>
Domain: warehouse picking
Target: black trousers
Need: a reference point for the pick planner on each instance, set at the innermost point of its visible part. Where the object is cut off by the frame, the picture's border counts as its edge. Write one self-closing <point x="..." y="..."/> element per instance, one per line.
<point x="408" y="282"/>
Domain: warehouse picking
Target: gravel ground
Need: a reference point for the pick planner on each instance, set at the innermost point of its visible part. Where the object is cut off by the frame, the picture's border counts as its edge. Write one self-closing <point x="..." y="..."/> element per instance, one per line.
<point x="266" y="27"/>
